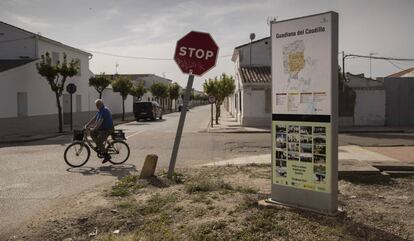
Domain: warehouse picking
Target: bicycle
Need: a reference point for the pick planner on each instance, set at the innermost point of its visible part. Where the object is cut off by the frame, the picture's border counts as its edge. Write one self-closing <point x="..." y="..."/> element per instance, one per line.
<point x="78" y="152"/>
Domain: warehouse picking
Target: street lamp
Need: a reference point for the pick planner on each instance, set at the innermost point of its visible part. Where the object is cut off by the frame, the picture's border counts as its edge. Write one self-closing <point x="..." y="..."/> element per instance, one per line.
<point x="252" y="37"/>
<point x="370" y="63"/>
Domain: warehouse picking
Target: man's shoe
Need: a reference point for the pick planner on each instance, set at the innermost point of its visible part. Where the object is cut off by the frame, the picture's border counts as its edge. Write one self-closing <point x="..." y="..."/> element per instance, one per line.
<point x="107" y="157"/>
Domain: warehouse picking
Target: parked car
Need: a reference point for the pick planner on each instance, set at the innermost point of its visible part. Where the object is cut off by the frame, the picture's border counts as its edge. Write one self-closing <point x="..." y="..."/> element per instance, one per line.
<point x="147" y="110"/>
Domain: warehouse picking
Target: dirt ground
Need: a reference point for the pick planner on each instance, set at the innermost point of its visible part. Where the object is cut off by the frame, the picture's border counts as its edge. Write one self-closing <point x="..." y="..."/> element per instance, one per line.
<point x="220" y="203"/>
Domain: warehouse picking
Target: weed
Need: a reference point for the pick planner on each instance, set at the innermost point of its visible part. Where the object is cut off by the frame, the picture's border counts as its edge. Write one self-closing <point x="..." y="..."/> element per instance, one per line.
<point x="131" y="205"/>
<point x="125" y="186"/>
<point x="156" y="202"/>
<point x="204" y="184"/>
<point x="245" y="190"/>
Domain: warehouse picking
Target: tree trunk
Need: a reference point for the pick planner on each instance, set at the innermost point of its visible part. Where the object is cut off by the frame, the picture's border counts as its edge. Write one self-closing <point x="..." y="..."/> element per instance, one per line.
<point x="123" y="109"/>
<point x="175" y="105"/>
<point x="100" y="95"/>
<point x="217" y="113"/>
<point x="59" y="112"/>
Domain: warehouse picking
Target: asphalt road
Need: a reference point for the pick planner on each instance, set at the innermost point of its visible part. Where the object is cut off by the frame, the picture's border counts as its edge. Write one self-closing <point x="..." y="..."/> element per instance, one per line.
<point x="34" y="175"/>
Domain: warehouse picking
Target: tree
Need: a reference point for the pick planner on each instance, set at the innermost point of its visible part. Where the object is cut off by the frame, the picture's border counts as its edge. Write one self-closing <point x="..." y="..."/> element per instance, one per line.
<point x="138" y="91"/>
<point x="219" y="88"/>
<point x="99" y="82"/>
<point x="211" y="87"/>
<point x="160" y="91"/>
<point x="174" y="93"/>
<point x="123" y="85"/>
<point x="226" y="87"/>
<point x="56" y="76"/>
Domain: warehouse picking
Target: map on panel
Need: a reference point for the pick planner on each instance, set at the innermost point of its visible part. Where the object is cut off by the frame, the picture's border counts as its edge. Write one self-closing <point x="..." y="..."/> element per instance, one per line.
<point x="297" y="66"/>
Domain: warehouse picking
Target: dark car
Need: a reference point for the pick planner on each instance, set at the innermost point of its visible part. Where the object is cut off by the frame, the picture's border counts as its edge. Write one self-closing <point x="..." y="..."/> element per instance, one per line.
<point x="147" y="110"/>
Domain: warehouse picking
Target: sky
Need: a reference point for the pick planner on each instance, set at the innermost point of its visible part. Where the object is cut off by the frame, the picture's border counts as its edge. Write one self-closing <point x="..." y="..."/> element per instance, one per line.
<point x="151" y="29"/>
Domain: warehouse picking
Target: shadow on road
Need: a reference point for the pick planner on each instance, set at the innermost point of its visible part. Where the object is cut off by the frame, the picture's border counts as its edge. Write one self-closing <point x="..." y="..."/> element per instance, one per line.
<point x="118" y="171"/>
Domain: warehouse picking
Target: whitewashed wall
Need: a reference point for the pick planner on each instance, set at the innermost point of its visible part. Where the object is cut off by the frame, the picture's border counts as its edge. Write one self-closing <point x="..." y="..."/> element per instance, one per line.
<point x="369" y="108"/>
<point x="260" y="54"/>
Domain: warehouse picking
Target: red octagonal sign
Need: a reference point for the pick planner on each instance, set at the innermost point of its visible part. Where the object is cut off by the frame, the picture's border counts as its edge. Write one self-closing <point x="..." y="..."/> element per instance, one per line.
<point x="196" y="53"/>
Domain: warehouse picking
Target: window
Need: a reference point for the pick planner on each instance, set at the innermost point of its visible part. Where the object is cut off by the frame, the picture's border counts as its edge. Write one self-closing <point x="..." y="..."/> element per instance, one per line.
<point x="55" y="57"/>
<point x="149" y="99"/>
<point x="78" y="103"/>
<point x="22" y="104"/>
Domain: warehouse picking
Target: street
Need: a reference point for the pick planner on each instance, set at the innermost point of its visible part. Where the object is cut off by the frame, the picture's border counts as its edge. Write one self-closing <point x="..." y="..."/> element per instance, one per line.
<point x="34" y="175"/>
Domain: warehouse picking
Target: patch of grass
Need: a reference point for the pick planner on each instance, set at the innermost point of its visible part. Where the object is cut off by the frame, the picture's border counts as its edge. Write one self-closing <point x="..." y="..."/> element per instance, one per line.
<point x="201" y="198"/>
<point x="131" y="205"/>
<point x="156" y="203"/>
<point x="154" y="230"/>
<point x="205" y="184"/>
<point x="199" y="212"/>
<point x="177" y="178"/>
<point x="245" y="189"/>
<point x="126" y="186"/>
<point x="209" y="231"/>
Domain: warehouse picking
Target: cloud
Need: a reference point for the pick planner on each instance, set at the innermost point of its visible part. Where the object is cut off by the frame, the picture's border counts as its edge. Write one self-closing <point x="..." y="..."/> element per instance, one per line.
<point x="32" y="23"/>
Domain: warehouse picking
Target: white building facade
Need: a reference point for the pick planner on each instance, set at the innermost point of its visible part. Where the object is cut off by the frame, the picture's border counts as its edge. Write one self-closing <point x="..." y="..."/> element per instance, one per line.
<point x="251" y="101"/>
<point x="27" y="103"/>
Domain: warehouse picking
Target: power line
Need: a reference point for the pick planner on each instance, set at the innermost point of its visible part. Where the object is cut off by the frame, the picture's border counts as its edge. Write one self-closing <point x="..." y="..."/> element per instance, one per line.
<point x="376" y="57"/>
<point x="393" y="64"/>
<point x="140" y="57"/>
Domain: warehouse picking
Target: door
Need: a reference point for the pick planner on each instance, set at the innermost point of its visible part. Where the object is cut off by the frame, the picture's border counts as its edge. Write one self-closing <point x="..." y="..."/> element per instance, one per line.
<point x="22" y="104"/>
<point x="66" y="109"/>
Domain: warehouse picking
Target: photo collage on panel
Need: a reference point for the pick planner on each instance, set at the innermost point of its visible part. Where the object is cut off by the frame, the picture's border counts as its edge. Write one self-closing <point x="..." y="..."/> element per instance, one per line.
<point x="319" y="154"/>
<point x="280" y="153"/>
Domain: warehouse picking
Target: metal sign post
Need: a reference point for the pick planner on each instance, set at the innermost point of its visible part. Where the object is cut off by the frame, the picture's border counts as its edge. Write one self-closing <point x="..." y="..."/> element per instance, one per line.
<point x="212" y="100"/>
<point x="195" y="54"/>
<point x="180" y="125"/>
<point x="71" y="89"/>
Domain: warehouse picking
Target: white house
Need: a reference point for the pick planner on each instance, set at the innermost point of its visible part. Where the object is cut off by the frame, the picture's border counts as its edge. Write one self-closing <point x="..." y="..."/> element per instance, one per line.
<point x="251" y="102"/>
<point x="27" y="104"/>
<point x="147" y="80"/>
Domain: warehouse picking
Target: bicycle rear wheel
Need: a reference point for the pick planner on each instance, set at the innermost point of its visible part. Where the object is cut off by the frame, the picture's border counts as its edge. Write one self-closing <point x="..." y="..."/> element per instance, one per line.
<point x="119" y="151"/>
<point x="77" y="154"/>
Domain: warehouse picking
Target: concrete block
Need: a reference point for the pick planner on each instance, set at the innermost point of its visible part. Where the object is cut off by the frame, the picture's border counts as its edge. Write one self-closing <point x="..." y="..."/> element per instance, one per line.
<point x="150" y="164"/>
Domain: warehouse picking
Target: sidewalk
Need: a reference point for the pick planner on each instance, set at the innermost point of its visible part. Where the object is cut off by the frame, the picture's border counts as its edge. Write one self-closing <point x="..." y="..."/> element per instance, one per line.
<point x="229" y="124"/>
<point x="352" y="159"/>
<point x="22" y="138"/>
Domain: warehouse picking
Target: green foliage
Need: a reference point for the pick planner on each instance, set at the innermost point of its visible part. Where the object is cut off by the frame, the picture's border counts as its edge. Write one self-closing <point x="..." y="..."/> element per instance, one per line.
<point x="56" y="75"/>
<point x="206" y="184"/>
<point x="123" y="85"/>
<point x="138" y="90"/>
<point x="174" y="91"/>
<point x="126" y="186"/>
<point x="159" y="90"/>
<point x="211" y="86"/>
<point x="226" y="87"/>
<point x="99" y="82"/>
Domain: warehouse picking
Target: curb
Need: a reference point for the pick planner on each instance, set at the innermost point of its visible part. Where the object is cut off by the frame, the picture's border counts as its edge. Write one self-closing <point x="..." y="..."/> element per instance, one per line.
<point x="209" y="130"/>
<point x="33" y="139"/>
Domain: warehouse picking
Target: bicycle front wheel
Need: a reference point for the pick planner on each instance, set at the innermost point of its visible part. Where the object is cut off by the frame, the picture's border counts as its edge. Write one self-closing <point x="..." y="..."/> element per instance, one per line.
<point x="77" y="154"/>
<point x="119" y="151"/>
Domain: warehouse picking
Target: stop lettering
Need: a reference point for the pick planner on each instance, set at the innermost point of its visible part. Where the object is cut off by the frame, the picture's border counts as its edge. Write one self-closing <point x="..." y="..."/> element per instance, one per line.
<point x="198" y="53"/>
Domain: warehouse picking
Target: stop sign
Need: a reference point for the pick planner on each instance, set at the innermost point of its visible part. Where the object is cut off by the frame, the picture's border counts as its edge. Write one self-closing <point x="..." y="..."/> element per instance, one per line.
<point x="196" y="53"/>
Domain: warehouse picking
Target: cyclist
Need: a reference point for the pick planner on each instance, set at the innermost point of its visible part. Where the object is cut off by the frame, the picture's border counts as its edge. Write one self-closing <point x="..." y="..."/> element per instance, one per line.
<point x="101" y="127"/>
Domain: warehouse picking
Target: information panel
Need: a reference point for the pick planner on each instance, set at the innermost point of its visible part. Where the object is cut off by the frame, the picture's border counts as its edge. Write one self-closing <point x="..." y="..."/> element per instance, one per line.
<point x="304" y="112"/>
